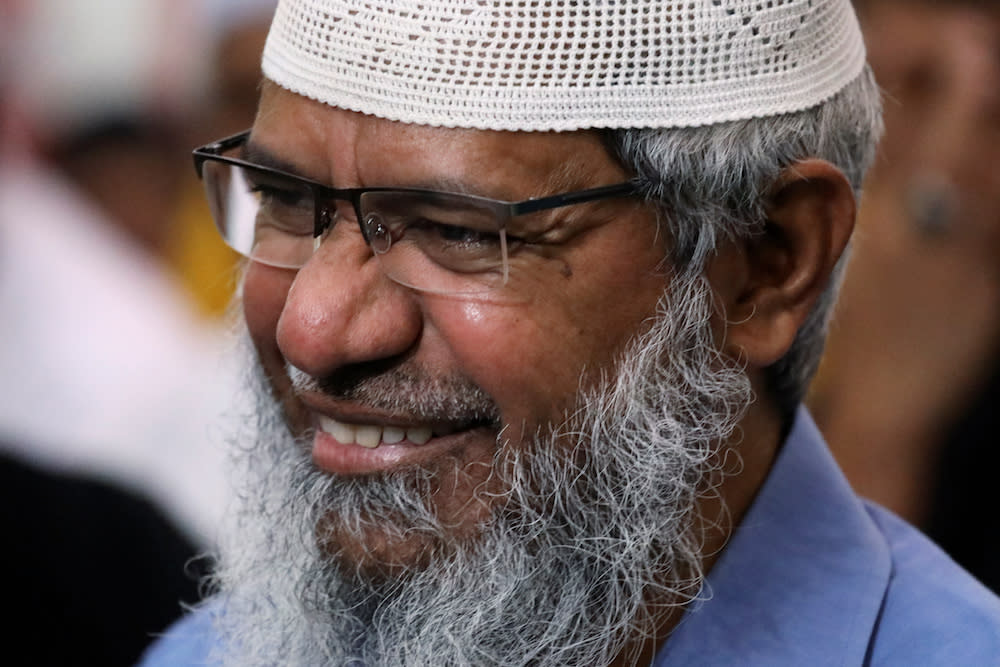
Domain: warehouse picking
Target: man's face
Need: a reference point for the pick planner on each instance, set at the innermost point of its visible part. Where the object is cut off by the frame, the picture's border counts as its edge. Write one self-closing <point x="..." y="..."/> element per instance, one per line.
<point x="352" y="354"/>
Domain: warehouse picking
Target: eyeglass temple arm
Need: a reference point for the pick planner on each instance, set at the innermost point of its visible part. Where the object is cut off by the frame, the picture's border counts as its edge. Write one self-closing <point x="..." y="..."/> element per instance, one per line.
<point x="217" y="148"/>
<point x="625" y="189"/>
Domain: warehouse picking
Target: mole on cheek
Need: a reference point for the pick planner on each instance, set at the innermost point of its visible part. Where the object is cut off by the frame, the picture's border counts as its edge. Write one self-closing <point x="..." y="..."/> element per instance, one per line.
<point x="567" y="270"/>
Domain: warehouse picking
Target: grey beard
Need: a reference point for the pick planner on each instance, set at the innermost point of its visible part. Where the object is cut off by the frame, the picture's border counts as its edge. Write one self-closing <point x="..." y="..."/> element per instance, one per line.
<point x="599" y="518"/>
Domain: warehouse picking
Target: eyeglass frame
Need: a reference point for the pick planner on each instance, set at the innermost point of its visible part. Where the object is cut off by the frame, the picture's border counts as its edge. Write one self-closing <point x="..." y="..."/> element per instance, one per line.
<point x="324" y="194"/>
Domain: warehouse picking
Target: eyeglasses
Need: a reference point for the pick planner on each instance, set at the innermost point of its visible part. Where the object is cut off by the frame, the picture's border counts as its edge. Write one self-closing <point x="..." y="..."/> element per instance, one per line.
<point x="431" y="241"/>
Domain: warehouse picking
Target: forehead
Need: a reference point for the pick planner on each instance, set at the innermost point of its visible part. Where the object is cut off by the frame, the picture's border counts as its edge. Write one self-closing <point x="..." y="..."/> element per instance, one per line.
<point x="352" y="149"/>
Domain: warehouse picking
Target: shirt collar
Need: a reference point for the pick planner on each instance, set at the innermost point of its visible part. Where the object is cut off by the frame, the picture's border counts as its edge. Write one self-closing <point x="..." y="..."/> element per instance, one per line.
<point x="803" y="577"/>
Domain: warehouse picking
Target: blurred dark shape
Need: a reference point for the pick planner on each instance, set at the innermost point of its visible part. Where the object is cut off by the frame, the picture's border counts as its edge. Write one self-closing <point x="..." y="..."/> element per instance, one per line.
<point x="93" y="572"/>
<point x="963" y="504"/>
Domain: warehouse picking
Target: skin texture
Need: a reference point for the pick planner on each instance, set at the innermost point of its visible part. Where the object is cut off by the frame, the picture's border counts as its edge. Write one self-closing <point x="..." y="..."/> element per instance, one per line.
<point x="573" y="302"/>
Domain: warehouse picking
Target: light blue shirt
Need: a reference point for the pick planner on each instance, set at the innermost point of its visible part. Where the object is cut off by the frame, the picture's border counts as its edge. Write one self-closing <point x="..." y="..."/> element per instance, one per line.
<point x="812" y="576"/>
<point x="815" y="576"/>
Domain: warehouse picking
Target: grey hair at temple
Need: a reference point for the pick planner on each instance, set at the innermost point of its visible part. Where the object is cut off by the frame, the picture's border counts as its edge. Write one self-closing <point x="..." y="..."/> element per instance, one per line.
<point x="711" y="184"/>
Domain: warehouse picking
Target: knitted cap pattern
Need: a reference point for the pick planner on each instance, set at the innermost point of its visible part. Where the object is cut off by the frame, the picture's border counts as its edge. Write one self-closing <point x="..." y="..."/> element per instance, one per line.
<point x="563" y="64"/>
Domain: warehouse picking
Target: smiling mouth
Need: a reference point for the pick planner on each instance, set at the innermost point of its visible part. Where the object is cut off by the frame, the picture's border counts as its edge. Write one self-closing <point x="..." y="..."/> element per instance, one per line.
<point x="371" y="436"/>
<point x="365" y="448"/>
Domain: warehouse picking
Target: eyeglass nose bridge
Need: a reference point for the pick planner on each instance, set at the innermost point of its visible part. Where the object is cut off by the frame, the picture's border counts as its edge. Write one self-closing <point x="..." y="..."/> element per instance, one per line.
<point x="374" y="230"/>
<point x="327" y="214"/>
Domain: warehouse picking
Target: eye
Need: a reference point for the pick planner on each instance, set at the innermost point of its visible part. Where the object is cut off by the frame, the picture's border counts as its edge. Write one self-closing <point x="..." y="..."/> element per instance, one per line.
<point x="454" y="234"/>
<point x="268" y="194"/>
<point x="282" y="207"/>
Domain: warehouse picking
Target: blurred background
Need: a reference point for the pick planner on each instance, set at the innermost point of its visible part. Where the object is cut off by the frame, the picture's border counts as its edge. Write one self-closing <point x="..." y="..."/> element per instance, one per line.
<point x="115" y="364"/>
<point x="908" y="394"/>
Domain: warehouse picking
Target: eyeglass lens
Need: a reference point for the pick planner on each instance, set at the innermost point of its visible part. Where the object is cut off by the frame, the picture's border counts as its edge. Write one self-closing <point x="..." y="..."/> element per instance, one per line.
<point x="436" y="242"/>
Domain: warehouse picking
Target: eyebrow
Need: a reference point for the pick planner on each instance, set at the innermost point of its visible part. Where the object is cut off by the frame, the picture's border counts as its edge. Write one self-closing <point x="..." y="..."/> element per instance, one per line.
<point x="257" y="154"/>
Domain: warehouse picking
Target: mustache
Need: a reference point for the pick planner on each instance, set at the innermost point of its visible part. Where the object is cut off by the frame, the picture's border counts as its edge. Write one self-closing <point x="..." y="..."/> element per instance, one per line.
<point x="406" y="390"/>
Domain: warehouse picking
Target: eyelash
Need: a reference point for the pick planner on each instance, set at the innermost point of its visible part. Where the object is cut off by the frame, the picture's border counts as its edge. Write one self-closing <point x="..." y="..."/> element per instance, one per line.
<point x="284" y="196"/>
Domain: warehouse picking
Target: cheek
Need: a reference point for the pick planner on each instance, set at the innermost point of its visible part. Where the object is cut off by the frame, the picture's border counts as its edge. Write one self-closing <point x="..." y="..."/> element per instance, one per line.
<point x="527" y="357"/>
<point x="534" y="355"/>
<point x="264" y="292"/>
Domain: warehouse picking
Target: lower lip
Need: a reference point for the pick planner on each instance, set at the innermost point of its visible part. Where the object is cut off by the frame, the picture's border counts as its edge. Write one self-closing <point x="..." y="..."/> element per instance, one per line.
<point x="333" y="456"/>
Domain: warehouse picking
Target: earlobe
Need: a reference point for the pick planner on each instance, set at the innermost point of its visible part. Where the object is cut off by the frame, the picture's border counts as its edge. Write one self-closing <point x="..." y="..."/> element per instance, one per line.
<point x="810" y="217"/>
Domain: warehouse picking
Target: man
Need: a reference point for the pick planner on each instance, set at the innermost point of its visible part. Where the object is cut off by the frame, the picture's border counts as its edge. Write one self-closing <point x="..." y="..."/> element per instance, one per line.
<point x="564" y="430"/>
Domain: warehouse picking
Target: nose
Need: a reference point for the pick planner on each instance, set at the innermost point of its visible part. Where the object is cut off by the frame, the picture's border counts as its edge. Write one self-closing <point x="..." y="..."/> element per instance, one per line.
<point x="342" y="310"/>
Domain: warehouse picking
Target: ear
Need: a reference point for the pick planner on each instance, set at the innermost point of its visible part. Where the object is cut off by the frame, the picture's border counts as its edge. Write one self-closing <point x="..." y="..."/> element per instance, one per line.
<point x="768" y="284"/>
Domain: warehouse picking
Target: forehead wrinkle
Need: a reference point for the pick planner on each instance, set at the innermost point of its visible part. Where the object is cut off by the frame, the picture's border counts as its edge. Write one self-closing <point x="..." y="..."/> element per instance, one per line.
<point x="292" y="133"/>
<point x="565" y="162"/>
<point x="509" y="166"/>
<point x="349" y="149"/>
<point x="409" y="155"/>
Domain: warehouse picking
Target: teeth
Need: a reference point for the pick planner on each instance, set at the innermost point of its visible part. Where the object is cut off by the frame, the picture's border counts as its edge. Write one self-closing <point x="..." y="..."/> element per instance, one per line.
<point x="392" y="434"/>
<point x="371" y="436"/>
<point x="418" y="435"/>
<point x="340" y="432"/>
<point x="368" y="436"/>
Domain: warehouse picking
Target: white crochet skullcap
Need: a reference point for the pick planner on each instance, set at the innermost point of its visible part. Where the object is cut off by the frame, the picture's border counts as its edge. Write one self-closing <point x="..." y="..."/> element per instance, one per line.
<point x="565" y="65"/>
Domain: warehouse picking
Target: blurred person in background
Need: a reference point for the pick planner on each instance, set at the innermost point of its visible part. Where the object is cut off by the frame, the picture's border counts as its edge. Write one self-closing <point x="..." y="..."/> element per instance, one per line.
<point x="106" y="471"/>
<point x="907" y="391"/>
<point x="106" y="368"/>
